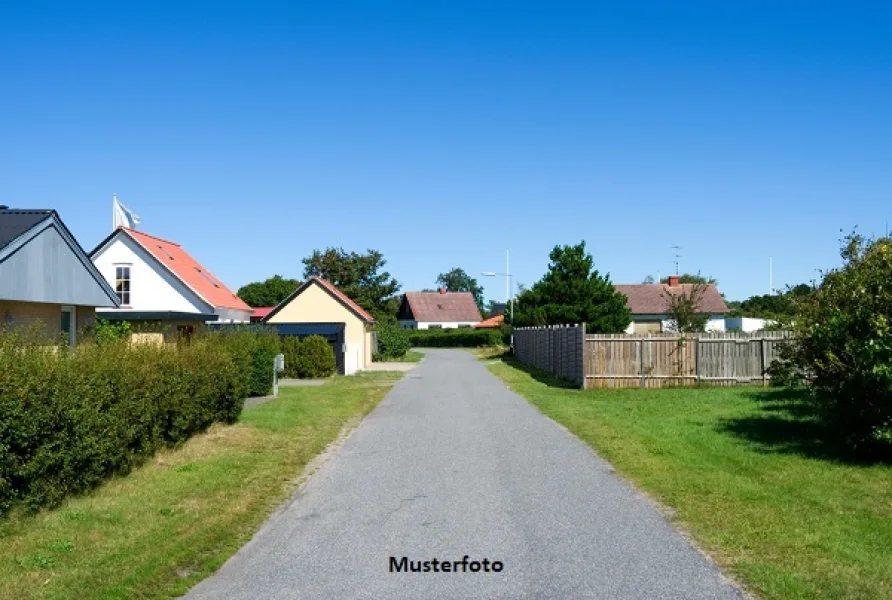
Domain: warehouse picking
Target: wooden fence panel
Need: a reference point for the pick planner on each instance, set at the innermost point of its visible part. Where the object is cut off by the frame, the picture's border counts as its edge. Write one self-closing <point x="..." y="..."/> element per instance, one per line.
<point x="556" y="350"/>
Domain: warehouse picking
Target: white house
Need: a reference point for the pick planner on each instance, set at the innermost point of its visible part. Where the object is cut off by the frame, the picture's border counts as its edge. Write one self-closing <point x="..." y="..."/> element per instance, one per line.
<point x="156" y="281"/>
<point x="438" y="310"/>
<point x="649" y="304"/>
<point x="747" y="324"/>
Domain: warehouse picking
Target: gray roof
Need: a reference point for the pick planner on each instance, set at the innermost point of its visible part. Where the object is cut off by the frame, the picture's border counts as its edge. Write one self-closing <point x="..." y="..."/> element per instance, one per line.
<point x="15" y="222"/>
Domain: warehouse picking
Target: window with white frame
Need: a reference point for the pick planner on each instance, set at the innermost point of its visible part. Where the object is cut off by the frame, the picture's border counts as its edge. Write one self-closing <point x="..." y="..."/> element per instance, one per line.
<point x="122" y="284"/>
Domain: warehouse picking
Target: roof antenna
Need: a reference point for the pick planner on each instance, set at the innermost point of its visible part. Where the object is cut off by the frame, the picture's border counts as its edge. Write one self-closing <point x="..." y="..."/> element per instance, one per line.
<point x="677" y="256"/>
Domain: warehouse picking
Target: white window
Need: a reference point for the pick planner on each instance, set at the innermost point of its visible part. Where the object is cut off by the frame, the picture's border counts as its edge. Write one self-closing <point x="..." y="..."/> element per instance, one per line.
<point x="122" y="284"/>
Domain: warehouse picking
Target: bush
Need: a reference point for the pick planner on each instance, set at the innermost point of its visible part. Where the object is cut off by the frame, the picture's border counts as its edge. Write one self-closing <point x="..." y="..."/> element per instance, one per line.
<point x="291" y="348"/>
<point x="456" y="338"/>
<point x="254" y="349"/>
<point x="71" y="419"/>
<point x="393" y="342"/>
<point x="316" y="358"/>
<point x="843" y="343"/>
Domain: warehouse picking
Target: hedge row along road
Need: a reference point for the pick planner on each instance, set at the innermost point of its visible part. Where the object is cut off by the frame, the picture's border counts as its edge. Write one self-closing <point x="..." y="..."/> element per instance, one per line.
<point x="455" y="473"/>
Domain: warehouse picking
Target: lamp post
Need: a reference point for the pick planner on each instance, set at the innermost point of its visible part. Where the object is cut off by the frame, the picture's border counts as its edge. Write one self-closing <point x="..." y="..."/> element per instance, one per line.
<point x="508" y="290"/>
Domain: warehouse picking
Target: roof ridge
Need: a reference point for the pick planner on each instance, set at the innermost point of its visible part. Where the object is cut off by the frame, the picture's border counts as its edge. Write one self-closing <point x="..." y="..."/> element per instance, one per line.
<point x="149" y="235"/>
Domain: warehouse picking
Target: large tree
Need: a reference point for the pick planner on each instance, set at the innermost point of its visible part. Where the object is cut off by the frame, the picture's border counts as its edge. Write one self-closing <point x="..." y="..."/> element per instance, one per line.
<point x="573" y="291"/>
<point x="361" y="276"/>
<point x="269" y="292"/>
<point x="457" y="280"/>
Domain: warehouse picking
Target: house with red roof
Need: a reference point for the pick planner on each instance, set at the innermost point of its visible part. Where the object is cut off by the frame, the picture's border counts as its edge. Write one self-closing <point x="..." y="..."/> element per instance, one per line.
<point x="649" y="305"/>
<point x="318" y="307"/>
<point x="158" y="282"/>
<point x="438" y="310"/>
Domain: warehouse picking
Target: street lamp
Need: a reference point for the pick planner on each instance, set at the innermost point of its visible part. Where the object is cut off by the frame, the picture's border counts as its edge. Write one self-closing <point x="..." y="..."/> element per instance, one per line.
<point x="508" y="290"/>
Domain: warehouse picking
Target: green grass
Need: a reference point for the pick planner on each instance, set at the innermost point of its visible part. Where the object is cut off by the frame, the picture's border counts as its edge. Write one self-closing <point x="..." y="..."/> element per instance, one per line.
<point x="411" y="356"/>
<point x="747" y="473"/>
<point x="170" y="523"/>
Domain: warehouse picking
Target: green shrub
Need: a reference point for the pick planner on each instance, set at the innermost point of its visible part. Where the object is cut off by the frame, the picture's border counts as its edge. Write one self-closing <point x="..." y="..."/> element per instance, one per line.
<point x="254" y="349"/>
<point x="291" y="348"/>
<point x="393" y="341"/>
<point x="71" y="419"/>
<point x="843" y="343"/>
<point x="107" y="331"/>
<point x="456" y="338"/>
<point x="316" y="358"/>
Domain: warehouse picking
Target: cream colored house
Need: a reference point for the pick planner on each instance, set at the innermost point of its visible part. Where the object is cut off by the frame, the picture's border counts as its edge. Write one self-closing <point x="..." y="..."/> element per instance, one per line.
<point x="319" y="308"/>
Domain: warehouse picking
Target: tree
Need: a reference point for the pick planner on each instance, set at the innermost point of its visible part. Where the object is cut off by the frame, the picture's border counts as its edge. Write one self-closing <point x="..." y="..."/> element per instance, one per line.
<point x="843" y="342"/>
<point x="573" y="291"/>
<point x="359" y="276"/>
<point x="684" y="308"/>
<point x="269" y="292"/>
<point x="457" y="280"/>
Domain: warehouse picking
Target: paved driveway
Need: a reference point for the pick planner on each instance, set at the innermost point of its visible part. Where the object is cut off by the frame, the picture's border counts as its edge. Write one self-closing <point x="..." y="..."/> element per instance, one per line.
<point x="451" y="464"/>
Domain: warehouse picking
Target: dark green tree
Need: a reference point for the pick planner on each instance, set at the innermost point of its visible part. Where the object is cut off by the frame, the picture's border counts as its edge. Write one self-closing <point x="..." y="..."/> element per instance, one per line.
<point x="360" y="276"/>
<point x="573" y="291"/>
<point x="269" y="292"/>
<point x="457" y="280"/>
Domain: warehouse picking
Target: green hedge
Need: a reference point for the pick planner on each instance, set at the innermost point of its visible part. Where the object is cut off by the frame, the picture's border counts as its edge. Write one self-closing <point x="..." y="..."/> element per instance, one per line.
<point x="393" y="341"/>
<point x="69" y="419"/>
<point x="457" y="338"/>
<point x="254" y="348"/>
<point x="308" y="358"/>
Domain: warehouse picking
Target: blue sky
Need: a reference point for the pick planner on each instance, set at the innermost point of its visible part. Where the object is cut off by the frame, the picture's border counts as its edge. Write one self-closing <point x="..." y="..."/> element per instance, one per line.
<point x="442" y="134"/>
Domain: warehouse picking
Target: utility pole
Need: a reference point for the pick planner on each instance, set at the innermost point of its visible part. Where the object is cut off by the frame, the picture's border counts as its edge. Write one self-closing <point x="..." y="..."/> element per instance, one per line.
<point x="770" y="275"/>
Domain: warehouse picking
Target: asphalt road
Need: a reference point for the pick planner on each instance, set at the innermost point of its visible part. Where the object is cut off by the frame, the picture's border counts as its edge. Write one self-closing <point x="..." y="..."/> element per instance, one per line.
<point x="452" y="463"/>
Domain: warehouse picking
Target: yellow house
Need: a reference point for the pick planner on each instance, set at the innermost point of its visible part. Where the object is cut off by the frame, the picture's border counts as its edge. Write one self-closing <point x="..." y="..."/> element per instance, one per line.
<point x="318" y="307"/>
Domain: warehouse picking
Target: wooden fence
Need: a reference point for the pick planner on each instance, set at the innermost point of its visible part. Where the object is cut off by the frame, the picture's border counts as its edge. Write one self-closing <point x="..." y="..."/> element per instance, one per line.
<point x="657" y="360"/>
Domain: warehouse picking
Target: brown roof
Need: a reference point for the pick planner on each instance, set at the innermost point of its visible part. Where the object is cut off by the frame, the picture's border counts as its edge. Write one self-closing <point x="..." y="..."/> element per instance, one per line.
<point x="491" y="322"/>
<point x="653" y="298"/>
<point x="443" y="306"/>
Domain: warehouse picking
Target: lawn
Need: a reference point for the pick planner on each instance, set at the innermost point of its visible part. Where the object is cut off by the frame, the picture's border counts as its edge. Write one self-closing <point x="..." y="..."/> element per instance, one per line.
<point x="411" y="356"/>
<point x="170" y="523"/>
<point x="747" y="473"/>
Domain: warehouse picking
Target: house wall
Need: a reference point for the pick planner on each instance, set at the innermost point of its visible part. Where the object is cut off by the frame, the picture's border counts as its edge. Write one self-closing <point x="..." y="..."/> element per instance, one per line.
<point x="17" y="314"/>
<point x="713" y="323"/>
<point x="407" y="324"/>
<point x="746" y="324"/>
<point x="46" y="268"/>
<point x="233" y="315"/>
<point x="315" y="305"/>
<point x="152" y="287"/>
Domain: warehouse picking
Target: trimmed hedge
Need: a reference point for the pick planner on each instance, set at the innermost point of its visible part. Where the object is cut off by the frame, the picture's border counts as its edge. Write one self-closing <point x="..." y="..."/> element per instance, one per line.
<point x="69" y="419"/>
<point x="308" y="358"/>
<point x="254" y="349"/>
<point x="393" y="341"/>
<point x="457" y="338"/>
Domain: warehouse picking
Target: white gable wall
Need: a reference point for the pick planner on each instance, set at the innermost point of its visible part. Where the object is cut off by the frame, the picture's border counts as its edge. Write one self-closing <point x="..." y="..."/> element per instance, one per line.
<point x="152" y="287"/>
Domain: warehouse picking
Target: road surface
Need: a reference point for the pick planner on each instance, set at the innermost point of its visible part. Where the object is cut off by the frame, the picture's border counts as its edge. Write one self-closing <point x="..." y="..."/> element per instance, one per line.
<point x="453" y="464"/>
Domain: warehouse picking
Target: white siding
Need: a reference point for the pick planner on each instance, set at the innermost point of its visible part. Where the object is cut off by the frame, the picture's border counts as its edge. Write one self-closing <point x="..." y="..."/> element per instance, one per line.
<point x="746" y="324"/>
<point x="444" y="324"/>
<point x="152" y="287"/>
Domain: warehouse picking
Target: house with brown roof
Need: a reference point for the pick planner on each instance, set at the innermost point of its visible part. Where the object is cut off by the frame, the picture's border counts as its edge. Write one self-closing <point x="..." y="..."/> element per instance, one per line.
<point x="158" y="283"/>
<point x="318" y="307"/>
<point x="649" y="305"/>
<point x="438" y="310"/>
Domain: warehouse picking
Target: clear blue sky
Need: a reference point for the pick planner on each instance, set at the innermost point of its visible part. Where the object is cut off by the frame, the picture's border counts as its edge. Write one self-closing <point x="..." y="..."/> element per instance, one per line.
<point x="252" y="133"/>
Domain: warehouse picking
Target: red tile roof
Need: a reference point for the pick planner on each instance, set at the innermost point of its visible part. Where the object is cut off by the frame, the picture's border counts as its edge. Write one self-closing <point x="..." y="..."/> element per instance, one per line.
<point x="653" y="298"/>
<point x="491" y="322"/>
<point x="363" y="313"/>
<point x="445" y="307"/>
<point x="261" y="312"/>
<point x="188" y="270"/>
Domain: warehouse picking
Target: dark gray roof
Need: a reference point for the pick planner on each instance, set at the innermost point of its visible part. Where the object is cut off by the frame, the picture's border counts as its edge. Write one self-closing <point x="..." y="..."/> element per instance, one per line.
<point x="15" y="222"/>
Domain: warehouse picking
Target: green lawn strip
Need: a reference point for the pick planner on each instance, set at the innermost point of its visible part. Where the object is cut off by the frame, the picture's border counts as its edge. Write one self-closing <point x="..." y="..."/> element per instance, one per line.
<point x="411" y="356"/>
<point x="745" y="477"/>
<point x="170" y="523"/>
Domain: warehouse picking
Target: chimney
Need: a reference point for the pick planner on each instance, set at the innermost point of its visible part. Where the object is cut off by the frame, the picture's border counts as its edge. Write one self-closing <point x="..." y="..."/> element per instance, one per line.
<point x="673" y="281"/>
<point x="442" y="290"/>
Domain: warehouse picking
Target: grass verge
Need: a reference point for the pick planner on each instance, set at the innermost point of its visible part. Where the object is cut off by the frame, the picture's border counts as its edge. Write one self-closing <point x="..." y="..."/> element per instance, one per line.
<point x="411" y="356"/>
<point x="747" y="473"/>
<point x="170" y="523"/>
